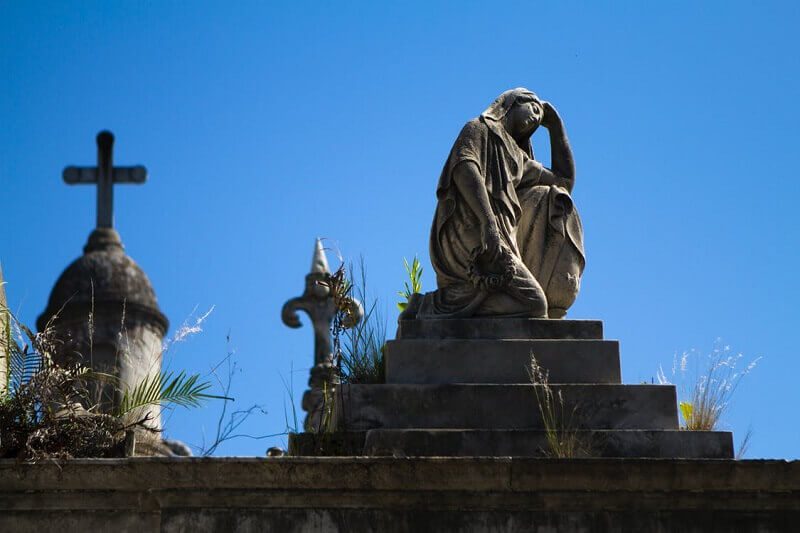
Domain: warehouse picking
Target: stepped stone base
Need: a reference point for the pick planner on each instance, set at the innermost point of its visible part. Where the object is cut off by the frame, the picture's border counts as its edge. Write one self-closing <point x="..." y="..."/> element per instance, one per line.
<point x="514" y="443"/>
<point x="461" y="387"/>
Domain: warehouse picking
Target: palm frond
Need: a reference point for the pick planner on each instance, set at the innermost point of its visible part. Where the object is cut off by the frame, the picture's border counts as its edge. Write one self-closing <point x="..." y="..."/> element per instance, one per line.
<point x="22" y="364"/>
<point x="164" y="388"/>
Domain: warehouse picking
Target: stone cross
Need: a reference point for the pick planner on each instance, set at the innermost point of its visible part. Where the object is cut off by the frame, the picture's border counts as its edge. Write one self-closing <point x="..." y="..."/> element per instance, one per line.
<point x="105" y="175"/>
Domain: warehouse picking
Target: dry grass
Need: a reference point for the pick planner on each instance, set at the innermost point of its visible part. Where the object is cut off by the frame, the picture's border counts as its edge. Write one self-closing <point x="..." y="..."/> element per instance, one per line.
<point x="48" y="410"/>
<point x="362" y="356"/>
<point x="41" y="407"/>
<point x="560" y="422"/>
<point x="706" y="384"/>
<point x="358" y="341"/>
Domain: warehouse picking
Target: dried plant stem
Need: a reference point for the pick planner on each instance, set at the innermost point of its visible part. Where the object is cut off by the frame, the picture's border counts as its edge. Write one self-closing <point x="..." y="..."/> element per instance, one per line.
<point x="563" y="438"/>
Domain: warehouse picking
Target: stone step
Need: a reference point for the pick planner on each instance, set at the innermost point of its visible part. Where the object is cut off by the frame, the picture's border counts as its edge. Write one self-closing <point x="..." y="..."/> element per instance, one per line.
<point x="485" y="406"/>
<point x="526" y="443"/>
<point x="499" y="328"/>
<point x="515" y="443"/>
<point x="439" y="361"/>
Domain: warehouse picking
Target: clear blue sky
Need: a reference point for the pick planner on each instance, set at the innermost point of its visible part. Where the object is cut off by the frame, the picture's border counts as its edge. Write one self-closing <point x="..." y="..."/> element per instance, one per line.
<point x="266" y="124"/>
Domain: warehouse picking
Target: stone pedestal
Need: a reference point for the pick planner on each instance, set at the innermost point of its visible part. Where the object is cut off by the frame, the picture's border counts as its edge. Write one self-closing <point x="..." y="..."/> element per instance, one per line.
<point x="461" y="388"/>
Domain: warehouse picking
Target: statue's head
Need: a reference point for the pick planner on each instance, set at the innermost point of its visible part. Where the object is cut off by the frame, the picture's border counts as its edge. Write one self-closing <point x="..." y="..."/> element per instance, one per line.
<point x="519" y="110"/>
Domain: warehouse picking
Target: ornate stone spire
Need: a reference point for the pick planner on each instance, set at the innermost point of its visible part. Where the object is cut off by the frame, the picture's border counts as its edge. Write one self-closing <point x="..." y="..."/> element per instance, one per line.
<point x="318" y="303"/>
<point x="319" y="262"/>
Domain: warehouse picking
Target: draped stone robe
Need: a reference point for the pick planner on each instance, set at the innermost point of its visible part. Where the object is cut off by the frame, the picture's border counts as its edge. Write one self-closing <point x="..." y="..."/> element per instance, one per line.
<point x="539" y="227"/>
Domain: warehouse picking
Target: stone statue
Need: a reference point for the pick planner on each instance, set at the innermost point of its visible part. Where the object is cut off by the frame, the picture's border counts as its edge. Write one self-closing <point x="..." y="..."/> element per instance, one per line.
<point x="506" y="238"/>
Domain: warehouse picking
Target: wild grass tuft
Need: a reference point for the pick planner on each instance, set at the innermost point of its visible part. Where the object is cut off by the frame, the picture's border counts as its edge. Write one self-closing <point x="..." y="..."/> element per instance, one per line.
<point x="706" y="384"/>
<point x="363" y="350"/>
<point x="560" y="422"/>
<point x="358" y="345"/>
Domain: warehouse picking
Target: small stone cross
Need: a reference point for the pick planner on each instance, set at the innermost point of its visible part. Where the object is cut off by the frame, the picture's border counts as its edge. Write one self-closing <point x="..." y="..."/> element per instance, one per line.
<point x="105" y="175"/>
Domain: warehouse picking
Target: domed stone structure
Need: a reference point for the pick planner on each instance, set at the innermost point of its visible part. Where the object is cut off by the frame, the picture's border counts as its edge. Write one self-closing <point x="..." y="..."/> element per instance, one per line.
<point x="103" y="310"/>
<point x="102" y="278"/>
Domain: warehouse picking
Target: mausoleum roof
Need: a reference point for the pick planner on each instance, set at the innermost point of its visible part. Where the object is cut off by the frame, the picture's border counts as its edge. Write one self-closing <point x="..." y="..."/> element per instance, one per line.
<point x="103" y="280"/>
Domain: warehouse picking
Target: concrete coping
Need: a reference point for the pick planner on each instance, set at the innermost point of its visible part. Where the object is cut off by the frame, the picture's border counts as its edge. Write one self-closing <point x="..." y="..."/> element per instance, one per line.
<point x="402" y="474"/>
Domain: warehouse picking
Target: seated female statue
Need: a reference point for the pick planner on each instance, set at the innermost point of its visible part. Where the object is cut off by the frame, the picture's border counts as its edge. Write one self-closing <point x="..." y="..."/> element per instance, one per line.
<point x="506" y="239"/>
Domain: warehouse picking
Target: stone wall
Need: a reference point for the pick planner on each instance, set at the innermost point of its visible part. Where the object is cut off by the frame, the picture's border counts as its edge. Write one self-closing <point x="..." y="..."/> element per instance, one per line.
<point x="385" y="494"/>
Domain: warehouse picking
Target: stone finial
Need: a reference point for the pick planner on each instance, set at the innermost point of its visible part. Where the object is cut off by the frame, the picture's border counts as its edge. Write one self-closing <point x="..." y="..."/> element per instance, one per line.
<point x="318" y="302"/>
<point x="315" y="301"/>
<point x="319" y="263"/>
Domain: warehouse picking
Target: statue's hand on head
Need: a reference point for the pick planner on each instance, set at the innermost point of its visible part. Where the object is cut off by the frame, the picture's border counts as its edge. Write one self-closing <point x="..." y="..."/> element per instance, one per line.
<point x="550" y="116"/>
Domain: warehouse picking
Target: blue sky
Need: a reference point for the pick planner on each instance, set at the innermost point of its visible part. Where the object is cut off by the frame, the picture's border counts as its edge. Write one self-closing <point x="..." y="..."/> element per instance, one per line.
<point x="265" y="124"/>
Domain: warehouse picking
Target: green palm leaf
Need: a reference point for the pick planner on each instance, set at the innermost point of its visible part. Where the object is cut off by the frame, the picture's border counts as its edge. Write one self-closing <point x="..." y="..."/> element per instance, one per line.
<point x="165" y="388"/>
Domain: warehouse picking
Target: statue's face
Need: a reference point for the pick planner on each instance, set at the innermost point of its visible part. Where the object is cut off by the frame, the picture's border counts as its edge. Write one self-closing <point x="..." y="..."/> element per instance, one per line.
<point x="524" y="117"/>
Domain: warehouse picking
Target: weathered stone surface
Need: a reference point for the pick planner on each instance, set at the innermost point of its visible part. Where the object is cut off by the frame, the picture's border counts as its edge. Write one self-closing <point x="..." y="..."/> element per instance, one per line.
<point x="461" y="388"/>
<point x="527" y="443"/>
<point x="104" y="314"/>
<point x="484" y="406"/>
<point x="500" y="361"/>
<point x="400" y="494"/>
<point x="103" y="280"/>
<point x="499" y="328"/>
<point x="513" y="443"/>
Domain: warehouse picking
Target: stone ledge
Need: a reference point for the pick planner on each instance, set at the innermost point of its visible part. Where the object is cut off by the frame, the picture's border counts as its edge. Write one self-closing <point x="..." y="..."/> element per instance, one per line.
<point x="403" y="474"/>
<point x="395" y="495"/>
<point x="513" y="443"/>
<point x="438" y="361"/>
<point x="499" y="328"/>
<point x="488" y="406"/>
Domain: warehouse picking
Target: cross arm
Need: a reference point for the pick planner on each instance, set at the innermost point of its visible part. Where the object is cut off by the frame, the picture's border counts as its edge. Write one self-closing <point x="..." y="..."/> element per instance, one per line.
<point x="76" y="175"/>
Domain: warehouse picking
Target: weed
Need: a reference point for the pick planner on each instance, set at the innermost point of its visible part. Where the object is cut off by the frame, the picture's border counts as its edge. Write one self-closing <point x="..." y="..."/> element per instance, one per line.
<point x="744" y="444"/>
<point x="229" y="424"/>
<point x="414" y="283"/>
<point x="46" y="409"/>
<point x="362" y="353"/>
<point x="560" y="423"/>
<point x="705" y="390"/>
<point x="359" y="338"/>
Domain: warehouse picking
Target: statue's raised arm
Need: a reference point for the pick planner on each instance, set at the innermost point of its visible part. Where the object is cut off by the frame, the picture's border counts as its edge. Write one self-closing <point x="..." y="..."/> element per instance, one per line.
<point x="563" y="165"/>
<point x="506" y="239"/>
